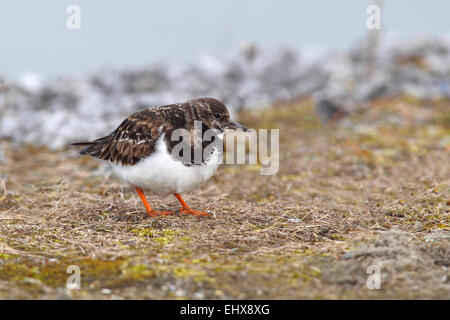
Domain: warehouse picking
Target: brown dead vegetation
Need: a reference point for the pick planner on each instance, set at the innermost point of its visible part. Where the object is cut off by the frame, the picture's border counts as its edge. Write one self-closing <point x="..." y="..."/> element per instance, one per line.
<point x="373" y="189"/>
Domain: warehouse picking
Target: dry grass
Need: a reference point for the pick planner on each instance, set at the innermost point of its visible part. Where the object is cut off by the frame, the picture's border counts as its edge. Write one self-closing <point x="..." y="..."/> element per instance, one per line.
<point x="372" y="190"/>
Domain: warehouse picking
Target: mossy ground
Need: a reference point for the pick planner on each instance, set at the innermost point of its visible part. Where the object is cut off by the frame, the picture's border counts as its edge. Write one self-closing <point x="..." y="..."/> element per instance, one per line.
<point x="371" y="189"/>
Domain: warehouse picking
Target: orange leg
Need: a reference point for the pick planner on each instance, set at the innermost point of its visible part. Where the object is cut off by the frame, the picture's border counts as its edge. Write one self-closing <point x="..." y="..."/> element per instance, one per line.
<point x="150" y="211"/>
<point x="185" y="208"/>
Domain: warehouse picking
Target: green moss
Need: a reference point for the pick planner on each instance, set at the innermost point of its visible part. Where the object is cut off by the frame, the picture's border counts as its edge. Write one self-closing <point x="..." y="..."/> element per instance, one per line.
<point x="186" y="239"/>
<point x="55" y="274"/>
<point x="138" y="272"/>
<point x="144" y="232"/>
<point x="337" y="237"/>
<point x="184" y="271"/>
<point x="4" y="256"/>
<point x="162" y="237"/>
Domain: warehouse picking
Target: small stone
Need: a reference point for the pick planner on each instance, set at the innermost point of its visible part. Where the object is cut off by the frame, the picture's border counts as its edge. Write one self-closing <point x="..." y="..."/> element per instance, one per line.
<point x="180" y="293"/>
<point x="348" y="255"/>
<point x="199" y="295"/>
<point x="106" y="291"/>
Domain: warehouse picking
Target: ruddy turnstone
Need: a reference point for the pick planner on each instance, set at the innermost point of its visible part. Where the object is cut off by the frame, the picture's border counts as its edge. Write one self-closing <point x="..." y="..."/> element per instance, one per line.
<point x="156" y="149"/>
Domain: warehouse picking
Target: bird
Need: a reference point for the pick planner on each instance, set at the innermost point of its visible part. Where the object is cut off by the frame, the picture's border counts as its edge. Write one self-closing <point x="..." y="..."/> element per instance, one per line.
<point x="143" y="153"/>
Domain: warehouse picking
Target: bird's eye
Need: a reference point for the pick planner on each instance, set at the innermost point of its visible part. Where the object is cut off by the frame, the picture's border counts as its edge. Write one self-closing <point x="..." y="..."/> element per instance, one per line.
<point x="216" y="115"/>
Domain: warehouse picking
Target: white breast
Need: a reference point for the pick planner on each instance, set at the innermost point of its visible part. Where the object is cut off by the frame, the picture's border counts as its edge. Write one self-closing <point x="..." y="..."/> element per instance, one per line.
<point x="162" y="174"/>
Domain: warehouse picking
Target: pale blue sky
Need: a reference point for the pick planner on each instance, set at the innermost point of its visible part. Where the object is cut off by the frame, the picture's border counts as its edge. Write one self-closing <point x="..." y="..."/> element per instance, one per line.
<point x="34" y="37"/>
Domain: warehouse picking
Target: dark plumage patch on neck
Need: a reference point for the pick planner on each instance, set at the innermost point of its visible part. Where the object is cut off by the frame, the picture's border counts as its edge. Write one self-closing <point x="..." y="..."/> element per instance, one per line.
<point x="196" y="145"/>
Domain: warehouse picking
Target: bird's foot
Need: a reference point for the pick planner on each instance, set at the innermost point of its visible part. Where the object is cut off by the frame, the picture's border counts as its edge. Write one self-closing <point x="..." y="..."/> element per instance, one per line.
<point x="184" y="210"/>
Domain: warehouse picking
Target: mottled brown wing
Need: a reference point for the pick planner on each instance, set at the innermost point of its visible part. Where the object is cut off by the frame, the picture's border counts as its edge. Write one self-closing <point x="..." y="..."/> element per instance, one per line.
<point x="133" y="140"/>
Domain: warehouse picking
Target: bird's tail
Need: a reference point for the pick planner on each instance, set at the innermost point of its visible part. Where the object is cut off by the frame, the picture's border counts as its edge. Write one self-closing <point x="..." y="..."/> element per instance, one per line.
<point x="87" y="145"/>
<point x="92" y="148"/>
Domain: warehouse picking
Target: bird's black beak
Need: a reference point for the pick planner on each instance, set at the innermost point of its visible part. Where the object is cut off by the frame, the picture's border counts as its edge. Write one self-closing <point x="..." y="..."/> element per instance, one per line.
<point x="235" y="126"/>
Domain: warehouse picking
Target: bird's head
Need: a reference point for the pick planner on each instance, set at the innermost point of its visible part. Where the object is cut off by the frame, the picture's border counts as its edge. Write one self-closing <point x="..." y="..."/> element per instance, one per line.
<point x="214" y="114"/>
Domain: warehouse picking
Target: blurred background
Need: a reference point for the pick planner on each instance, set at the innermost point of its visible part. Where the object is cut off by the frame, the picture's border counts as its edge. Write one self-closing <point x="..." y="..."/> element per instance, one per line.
<point x="59" y="84"/>
<point x="124" y="34"/>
